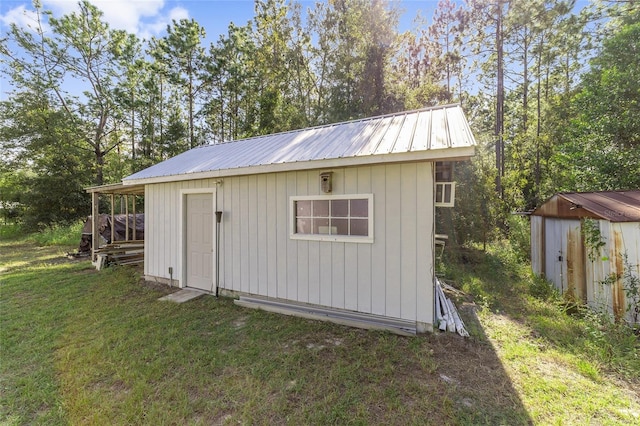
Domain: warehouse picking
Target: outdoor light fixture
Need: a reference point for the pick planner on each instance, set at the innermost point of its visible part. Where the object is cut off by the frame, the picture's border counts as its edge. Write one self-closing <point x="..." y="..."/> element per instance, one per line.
<point x="325" y="182"/>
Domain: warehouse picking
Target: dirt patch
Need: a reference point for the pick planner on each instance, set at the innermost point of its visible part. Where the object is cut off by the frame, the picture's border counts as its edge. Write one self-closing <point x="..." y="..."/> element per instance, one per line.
<point x="159" y="287"/>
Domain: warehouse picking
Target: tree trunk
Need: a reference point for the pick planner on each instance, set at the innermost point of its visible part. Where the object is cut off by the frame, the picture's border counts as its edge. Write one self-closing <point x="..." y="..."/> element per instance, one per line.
<point x="191" y="95"/>
<point x="499" y="127"/>
<point x="99" y="166"/>
<point x="133" y="123"/>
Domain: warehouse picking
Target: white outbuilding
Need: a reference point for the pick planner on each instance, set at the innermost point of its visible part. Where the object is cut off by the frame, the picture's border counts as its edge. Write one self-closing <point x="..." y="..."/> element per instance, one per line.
<point x="335" y="221"/>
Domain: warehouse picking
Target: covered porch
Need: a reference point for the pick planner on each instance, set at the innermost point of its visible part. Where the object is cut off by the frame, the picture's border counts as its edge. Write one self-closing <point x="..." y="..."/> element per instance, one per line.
<point x="128" y="199"/>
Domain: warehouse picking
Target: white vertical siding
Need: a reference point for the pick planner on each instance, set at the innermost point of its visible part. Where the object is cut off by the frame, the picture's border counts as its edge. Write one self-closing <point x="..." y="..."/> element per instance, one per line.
<point x="379" y="248"/>
<point x="253" y="245"/>
<point x="351" y="250"/>
<point x="394" y="214"/>
<point x="393" y="276"/>
<point x="301" y="282"/>
<point x="282" y="235"/>
<point x="425" y="225"/>
<point x="408" y="239"/>
<point x="271" y="242"/>
<point x="163" y="229"/>
<point x="364" y="279"/>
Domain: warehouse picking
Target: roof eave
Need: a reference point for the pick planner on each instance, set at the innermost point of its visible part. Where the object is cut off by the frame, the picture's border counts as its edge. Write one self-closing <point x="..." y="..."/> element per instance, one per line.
<point x="445" y="154"/>
<point x="117" y="188"/>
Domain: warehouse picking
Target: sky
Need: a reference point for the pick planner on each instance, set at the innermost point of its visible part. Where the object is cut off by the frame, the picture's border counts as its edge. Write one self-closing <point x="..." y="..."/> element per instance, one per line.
<point x="147" y="18"/>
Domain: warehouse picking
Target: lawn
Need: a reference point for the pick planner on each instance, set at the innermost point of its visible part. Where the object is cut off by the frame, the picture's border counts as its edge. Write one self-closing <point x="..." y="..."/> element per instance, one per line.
<point x="85" y="347"/>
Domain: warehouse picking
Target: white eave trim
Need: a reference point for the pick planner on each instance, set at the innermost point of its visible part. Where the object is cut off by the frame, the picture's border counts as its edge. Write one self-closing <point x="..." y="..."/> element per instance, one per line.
<point x="452" y="154"/>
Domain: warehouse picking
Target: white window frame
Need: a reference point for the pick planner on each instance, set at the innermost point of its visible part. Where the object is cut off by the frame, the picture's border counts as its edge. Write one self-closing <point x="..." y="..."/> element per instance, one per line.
<point x="443" y="203"/>
<point x="333" y="238"/>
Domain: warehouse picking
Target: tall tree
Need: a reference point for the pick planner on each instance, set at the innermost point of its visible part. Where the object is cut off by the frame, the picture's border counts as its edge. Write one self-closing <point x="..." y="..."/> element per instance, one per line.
<point x="446" y="31"/>
<point x="232" y="93"/>
<point x="601" y="146"/>
<point x="488" y="21"/>
<point x="355" y="40"/>
<point x="184" y="57"/>
<point x="47" y="165"/>
<point x="80" y="48"/>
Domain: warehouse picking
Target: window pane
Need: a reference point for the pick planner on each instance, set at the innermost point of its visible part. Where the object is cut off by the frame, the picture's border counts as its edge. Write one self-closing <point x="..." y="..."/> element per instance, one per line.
<point x="340" y="226"/>
<point x="360" y="208"/>
<point x="303" y="208"/>
<point x="360" y="227"/>
<point x="438" y="193"/>
<point x="339" y="208"/>
<point x="321" y="208"/>
<point x="320" y="226"/>
<point x="447" y="194"/>
<point x="303" y="226"/>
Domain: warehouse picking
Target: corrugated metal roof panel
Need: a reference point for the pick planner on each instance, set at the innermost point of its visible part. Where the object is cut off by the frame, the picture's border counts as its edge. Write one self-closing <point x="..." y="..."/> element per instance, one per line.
<point x="376" y="137"/>
<point x="439" y="131"/>
<point x="413" y="131"/>
<point x="422" y="131"/>
<point x="407" y="133"/>
<point x="614" y="206"/>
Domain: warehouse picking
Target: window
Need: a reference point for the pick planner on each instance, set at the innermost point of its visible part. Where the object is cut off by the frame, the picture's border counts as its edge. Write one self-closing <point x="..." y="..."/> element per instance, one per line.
<point x="332" y="218"/>
<point x="445" y="186"/>
<point x="445" y="194"/>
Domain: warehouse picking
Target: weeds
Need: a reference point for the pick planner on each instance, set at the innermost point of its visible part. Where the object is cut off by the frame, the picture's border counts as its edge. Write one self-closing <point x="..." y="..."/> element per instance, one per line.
<point x="499" y="282"/>
<point x="631" y="286"/>
<point x="10" y="231"/>
<point x="542" y="289"/>
<point x="59" y="235"/>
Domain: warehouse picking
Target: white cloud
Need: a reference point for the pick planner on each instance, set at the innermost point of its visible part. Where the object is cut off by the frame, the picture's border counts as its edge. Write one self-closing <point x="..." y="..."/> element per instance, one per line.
<point x="145" y="18"/>
<point x="178" y="13"/>
<point x="22" y="17"/>
<point x="160" y="22"/>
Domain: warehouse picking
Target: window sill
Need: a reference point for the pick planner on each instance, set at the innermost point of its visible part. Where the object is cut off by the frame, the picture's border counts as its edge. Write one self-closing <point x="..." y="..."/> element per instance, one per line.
<point x="332" y="238"/>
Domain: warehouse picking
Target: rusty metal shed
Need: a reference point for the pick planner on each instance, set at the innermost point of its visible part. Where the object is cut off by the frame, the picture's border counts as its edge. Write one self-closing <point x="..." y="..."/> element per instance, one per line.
<point x="588" y="246"/>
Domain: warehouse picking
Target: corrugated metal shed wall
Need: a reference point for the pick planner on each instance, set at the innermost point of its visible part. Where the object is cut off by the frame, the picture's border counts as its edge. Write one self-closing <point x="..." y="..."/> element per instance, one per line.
<point x="558" y="252"/>
<point x="537" y="245"/>
<point x="392" y="276"/>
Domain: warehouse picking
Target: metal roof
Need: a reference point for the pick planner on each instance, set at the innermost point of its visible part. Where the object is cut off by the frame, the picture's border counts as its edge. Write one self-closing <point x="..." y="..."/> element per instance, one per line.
<point x="614" y="206"/>
<point x="430" y="133"/>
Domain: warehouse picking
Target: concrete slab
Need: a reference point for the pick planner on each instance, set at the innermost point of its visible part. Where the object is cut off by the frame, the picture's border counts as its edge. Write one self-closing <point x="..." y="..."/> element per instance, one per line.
<point x="183" y="295"/>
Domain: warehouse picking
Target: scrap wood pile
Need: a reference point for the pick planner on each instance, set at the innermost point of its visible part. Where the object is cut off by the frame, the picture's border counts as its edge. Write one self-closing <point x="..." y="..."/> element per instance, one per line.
<point x="120" y="253"/>
<point x="446" y="313"/>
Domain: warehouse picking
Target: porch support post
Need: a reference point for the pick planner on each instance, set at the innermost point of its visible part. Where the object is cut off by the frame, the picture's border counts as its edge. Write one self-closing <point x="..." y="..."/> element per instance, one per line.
<point x="113" y="220"/>
<point x="95" y="238"/>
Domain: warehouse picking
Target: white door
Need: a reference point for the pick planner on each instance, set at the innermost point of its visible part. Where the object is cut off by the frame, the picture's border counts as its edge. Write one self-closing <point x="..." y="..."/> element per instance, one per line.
<point x="199" y="242"/>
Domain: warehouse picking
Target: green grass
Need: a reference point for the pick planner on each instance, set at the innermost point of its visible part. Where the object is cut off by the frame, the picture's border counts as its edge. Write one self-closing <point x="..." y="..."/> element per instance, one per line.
<point x="568" y="364"/>
<point x="56" y="235"/>
<point x="85" y="347"/>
